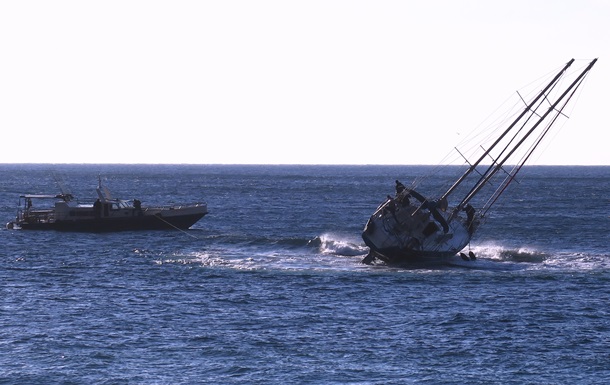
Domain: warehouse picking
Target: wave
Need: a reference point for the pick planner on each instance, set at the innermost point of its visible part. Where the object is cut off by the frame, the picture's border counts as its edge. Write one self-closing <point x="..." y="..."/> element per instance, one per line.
<point x="327" y="243"/>
<point x="338" y="245"/>
<point x="333" y="251"/>
<point x="500" y="253"/>
<point x="497" y="257"/>
<point x="237" y="240"/>
<point x="241" y="252"/>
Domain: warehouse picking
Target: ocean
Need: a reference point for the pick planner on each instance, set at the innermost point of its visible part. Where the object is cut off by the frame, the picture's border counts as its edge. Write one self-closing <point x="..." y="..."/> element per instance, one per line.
<point x="269" y="288"/>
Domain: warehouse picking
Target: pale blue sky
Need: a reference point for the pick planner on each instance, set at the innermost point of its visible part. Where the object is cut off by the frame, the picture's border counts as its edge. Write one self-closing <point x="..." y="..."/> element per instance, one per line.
<point x="301" y="82"/>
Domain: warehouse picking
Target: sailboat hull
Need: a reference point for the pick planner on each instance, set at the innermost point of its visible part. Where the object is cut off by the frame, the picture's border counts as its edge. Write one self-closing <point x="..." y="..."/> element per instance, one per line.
<point x="403" y="232"/>
<point x="409" y="257"/>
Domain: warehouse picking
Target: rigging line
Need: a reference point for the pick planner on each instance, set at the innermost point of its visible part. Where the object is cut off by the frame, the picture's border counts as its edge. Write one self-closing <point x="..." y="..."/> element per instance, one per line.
<point x="538" y="96"/>
<point x="569" y="91"/>
<point x="494" y="167"/>
<point x="533" y="110"/>
<point x="525" y="103"/>
<point x="546" y="98"/>
<point x="466" y="160"/>
<point x="495" y="161"/>
<point x="509" y="179"/>
<point x="493" y="123"/>
<point x="576" y="95"/>
<point x="497" y="194"/>
<point x="558" y="112"/>
<point x="554" y="119"/>
<point x="480" y="129"/>
<point x="175" y="227"/>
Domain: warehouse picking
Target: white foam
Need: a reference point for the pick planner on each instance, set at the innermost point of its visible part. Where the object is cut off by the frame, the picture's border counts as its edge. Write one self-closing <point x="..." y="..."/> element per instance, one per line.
<point x="336" y="244"/>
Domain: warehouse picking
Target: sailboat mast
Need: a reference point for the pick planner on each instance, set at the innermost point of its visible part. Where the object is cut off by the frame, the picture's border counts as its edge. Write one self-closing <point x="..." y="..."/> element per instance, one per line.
<point x="528" y="108"/>
<point x="500" y="163"/>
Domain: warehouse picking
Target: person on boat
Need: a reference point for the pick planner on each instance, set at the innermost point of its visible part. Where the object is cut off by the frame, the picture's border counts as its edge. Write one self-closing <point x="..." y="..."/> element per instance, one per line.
<point x="399" y="187"/>
<point x="404" y="200"/>
<point x="470" y="211"/>
<point x="391" y="205"/>
<point x="137" y="205"/>
<point x="97" y="208"/>
<point x="402" y="196"/>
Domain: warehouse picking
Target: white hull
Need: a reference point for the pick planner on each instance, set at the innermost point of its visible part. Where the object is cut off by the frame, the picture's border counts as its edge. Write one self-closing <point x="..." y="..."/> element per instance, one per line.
<point x="403" y="231"/>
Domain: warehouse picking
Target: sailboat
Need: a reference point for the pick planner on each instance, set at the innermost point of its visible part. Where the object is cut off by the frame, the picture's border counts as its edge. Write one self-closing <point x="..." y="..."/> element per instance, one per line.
<point x="413" y="227"/>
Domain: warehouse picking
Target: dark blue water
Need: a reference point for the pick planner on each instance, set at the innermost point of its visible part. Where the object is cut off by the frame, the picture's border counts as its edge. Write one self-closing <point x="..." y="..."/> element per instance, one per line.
<point x="268" y="288"/>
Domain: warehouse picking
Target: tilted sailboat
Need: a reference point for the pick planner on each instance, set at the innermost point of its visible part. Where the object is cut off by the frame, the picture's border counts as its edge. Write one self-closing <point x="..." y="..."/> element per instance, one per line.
<point x="412" y="227"/>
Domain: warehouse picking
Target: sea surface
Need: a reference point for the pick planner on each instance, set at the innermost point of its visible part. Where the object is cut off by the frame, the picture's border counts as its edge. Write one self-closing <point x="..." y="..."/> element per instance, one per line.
<point x="269" y="288"/>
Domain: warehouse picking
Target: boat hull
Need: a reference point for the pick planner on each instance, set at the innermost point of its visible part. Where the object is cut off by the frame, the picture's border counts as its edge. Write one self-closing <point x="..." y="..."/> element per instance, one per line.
<point x="398" y="256"/>
<point x="181" y="222"/>
<point x="401" y="232"/>
<point x="62" y="212"/>
<point x="161" y="220"/>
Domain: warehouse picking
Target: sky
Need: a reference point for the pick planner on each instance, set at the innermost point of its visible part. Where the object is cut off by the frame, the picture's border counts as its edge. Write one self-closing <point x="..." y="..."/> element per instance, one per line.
<point x="286" y="82"/>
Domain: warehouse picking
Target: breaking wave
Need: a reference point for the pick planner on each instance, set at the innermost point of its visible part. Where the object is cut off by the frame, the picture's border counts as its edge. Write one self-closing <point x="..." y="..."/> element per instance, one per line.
<point x="337" y="245"/>
<point x="493" y="256"/>
<point x="500" y="253"/>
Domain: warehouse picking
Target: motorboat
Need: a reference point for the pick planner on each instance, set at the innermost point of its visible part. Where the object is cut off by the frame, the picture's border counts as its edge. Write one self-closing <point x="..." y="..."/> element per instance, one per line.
<point x="106" y="214"/>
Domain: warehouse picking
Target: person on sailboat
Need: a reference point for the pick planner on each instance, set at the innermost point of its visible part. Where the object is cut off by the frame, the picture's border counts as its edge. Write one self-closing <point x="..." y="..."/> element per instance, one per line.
<point x="399" y="187"/>
<point x="403" y="199"/>
<point x="97" y="208"/>
<point x="470" y="218"/>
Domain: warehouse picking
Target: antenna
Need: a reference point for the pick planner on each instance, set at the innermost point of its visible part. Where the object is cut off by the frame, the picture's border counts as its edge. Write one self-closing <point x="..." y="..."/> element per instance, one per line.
<point x="59" y="180"/>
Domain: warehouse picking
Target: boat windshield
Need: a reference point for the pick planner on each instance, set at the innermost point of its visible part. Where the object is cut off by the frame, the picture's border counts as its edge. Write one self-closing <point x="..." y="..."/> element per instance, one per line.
<point x="121" y="204"/>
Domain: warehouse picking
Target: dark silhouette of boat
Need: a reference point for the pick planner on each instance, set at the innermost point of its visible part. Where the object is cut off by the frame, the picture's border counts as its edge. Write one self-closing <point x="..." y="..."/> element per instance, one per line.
<point x="64" y="213"/>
